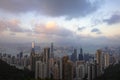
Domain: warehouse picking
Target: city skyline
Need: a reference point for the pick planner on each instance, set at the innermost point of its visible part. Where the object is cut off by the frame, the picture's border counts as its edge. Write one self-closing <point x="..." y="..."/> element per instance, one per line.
<point x="80" y="22"/>
<point x="43" y="65"/>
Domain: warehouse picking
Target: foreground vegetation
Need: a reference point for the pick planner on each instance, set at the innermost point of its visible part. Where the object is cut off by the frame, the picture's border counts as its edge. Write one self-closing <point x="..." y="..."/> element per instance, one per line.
<point x="8" y="72"/>
<point x="111" y="73"/>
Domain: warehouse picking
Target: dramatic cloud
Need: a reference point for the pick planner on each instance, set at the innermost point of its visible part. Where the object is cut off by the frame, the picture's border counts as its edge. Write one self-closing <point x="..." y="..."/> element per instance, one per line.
<point x="12" y="25"/>
<point x="46" y="21"/>
<point x="12" y="34"/>
<point x="113" y="19"/>
<point x="70" y="8"/>
<point x="52" y="29"/>
<point x="81" y="28"/>
<point x="95" y="30"/>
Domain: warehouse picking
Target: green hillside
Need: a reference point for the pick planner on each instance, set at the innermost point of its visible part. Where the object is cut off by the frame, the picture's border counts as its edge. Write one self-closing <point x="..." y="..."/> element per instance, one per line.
<point x="8" y="72"/>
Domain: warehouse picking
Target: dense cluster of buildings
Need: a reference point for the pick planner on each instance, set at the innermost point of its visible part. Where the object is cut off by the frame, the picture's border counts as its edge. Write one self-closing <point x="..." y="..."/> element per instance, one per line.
<point x="76" y="66"/>
<point x="20" y="61"/>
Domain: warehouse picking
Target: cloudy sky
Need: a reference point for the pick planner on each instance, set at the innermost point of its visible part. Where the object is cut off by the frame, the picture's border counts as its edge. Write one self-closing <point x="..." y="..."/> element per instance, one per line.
<point x="74" y="22"/>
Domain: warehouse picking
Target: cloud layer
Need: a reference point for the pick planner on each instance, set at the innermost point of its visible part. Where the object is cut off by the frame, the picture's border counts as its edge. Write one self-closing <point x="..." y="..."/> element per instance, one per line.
<point x="69" y="8"/>
<point x="56" y="20"/>
<point x="53" y="30"/>
<point x="81" y="28"/>
<point x="95" y="30"/>
<point x="113" y="19"/>
<point x="12" y="25"/>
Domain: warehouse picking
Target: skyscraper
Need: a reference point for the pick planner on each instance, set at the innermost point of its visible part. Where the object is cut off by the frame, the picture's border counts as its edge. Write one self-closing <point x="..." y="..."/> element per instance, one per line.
<point x="74" y="55"/>
<point x="46" y="54"/>
<point x="80" y="70"/>
<point x="93" y="70"/>
<point x="64" y="61"/>
<point x="56" y="71"/>
<point x="21" y="55"/>
<point x="99" y="59"/>
<point x="33" y="45"/>
<point x="52" y="51"/>
<point x="106" y="59"/>
<point x="67" y="71"/>
<point x="46" y="60"/>
<point x="60" y="68"/>
<point x="32" y="57"/>
<point x="81" y="54"/>
<point x="40" y="70"/>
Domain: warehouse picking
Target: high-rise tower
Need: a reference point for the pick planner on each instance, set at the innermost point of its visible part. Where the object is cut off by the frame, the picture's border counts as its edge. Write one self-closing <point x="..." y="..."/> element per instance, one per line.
<point x="33" y="44"/>
<point x="32" y="57"/>
<point x="67" y="71"/>
<point x="106" y="58"/>
<point x="74" y="55"/>
<point x="81" y="54"/>
<point x="52" y="51"/>
<point x="99" y="59"/>
<point x="46" y="60"/>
